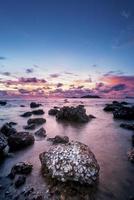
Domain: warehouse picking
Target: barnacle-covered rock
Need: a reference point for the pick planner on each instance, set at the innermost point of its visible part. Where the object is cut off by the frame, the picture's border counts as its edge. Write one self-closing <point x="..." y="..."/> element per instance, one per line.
<point x="73" y="161"/>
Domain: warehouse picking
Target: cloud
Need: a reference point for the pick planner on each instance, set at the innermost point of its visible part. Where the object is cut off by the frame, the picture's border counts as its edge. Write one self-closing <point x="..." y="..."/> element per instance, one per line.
<point x="59" y="85"/>
<point x="31" y="80"/>
<point x="56" y="75"/>
<point x="2" y="58"/>
<point x="5" y="73"/>
<point x="117" y="72"/>
<point x="125" y="14"/>
<point x="29" y="70"/>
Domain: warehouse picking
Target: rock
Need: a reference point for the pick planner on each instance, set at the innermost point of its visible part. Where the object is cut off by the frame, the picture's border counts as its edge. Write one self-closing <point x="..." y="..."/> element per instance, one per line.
<point x="21" y="168"/>
<point x="73" y="161"/>
<point x="35" y="105"/>
<point x="3" y="144"/>
<point x="126" y="113"/>
<point x="74" y="114"/>
<point x="22" y="106"/>
<point x="41" y="132"/>
<point x="20" y="181"/>
<point x="20" y="140"/>
<point x="26" y="114"/>
<point x="3" y="103"/>
<point x="36" y="121"/>
<point x="59" y="139"/>
<point x="8" y="130"/>
<point x="92" y="117"/>
<point x="29" y="127"/>
<point x="124" y="103"/>
<point x="133" y="140"/>
<point x="53" y="111"/>
<point x="112" y="107"/>
<point x="131" y="155"/>
<point x="127" y="126"/>
<point x="38" y="112"/>
<point x="12" y="123"/>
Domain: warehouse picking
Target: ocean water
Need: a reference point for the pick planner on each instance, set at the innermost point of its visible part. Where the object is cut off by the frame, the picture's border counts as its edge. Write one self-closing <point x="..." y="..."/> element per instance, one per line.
<point x="103" y="135"/>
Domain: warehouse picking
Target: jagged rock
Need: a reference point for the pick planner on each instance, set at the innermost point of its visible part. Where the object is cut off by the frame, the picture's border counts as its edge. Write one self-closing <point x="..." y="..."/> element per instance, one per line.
<point x="74" y="114"/>
<point x="35" y="105"/>
<point x="8" y="130"/>
<point x="36" y="121"/>
<point x="21" y="168"/>
<point x="38" y="112"/>
<point x="73" y="161"/>
<point x="20" y="181"/>
<point x="3" y="103"/>
<point x="41" y="132"/>
<point x="53" y="111"/>
<point x="12" y="123"/>
<point x="20" y="140"/>
<point x="124" y="113"/>
<point x="3" y="144"/>
<point x="131" y="155"/>
<point x="59" y="139"/>
<point x="127" y="126"/>
<point x="29" y="127"/>
<point x="26" y="114"/>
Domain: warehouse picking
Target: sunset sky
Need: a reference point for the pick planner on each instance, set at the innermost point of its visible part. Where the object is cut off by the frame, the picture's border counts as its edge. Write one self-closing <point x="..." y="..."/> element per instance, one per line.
<point x="65" y="48"/>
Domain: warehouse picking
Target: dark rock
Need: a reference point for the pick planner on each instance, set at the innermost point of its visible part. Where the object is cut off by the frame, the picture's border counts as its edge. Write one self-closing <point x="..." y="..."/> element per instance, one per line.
<point x="53" y="111"/>
<point x="35" y="105"/>
<point x="29" y="127"/>
<point x="127" y="126"/>
<point x="20" y="181"/>
<point x="8" y="130"/>
<point x="21" y="168"/>
<point x="126" y="113"/>
<point x="124" y="103"/>
<point x="12" y="123"/>
<point x="59" y="139"/>
<point x="70" y="162"/>
<point x="112" y="107"/>
<point x="20" y="140"/>
<point x="41" y="132"/>
<point x="38" y="112"/>
<point x="3" y="103"/>
<point x="22" y="106"/>
<point x="26" y="114"/>
<point x="92" y="117"/>
<point x="74" y="114"/>
<point x="131" y="155"/>
<point x="36" y="121"/>
<point x="133" y="140"/>
<point x="3" y="144"/>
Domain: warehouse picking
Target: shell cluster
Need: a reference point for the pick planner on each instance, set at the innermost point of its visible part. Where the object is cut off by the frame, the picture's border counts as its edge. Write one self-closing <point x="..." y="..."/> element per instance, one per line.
<point x="71" y="162"/>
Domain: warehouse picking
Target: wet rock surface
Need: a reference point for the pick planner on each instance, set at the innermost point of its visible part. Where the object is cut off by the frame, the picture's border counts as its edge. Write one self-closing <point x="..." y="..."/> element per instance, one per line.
<point x="70" y="162"/>
<point x="74" y="114"/>
<point x="38" y="112"/>
<point x="3" y="144"/>
<point x="20" y="180"/>
<point x="41" y="132"/>
<point x="8" y="130"/>
<point x="131" y="155"/>
<point x="20" y="140"/>
<point x="127" y="126"/>
<point x="126" y="113"/>
<point x="26" y="114"/>
<point x="53" y="111"/>
<point x="35" y="105"/>
<point x="3" y="103"/>
<point x="36" y="121"/>
<point x="59" y="139"/>
<point x="30" y="127"/>
<point x="21" y="168"/>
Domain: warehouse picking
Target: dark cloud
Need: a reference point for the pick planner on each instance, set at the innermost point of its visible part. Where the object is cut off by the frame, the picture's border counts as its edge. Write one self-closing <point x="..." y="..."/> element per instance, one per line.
<point x="2" y="58"/>
<point x="31" y="80"/>
<point x="29" y="70"/>
<point x="3" y="93"/>
<point x="5" y="73"/>
<point x="59" y="85"/>
<point x="117" y="72"/>
<point x="23" y="91"/>
<point x="56" y="75"/>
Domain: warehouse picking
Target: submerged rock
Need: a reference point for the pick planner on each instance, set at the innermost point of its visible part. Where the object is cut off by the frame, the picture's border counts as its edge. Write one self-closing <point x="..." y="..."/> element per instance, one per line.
<point x="74" y="114"/>
<point x="38" y="112"/>
<point x="12" y="123"/>
<point x="36" y="121"/>
<point x="20" y="181"/>
<point x="53" y="111"/>
<point x="3" y="103"/>
<point x="26" y="114"/>
<point x="73" y="161"/>
<point x="20" y="140"/>
<point x="8" y="130"/>
<point x="35" y="105"/>
<point x="59" y="139"/>
<point x="41" y="132"/>
<point x="29" y="127"/>
<point x="131" y="155"/>
<point x="127" y="126"/>
<point x="21" y="168"/>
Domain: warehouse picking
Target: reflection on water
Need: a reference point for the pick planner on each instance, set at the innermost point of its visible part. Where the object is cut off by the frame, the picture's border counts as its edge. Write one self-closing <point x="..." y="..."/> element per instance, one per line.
<point x="103" y="135"/>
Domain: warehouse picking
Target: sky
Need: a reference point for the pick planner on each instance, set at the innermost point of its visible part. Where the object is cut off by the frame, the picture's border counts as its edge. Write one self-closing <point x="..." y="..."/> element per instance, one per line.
<point x="66" y="48"/>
